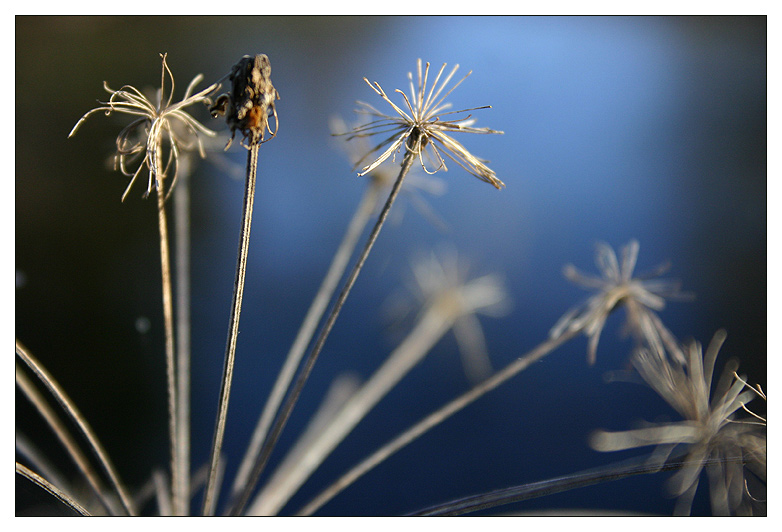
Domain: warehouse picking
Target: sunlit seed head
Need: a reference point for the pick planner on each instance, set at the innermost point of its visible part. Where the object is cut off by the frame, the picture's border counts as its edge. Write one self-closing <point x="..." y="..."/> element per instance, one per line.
<point x="416" y="186"/>
<point x="419" y="126"/>
<point x="142" y="142"/>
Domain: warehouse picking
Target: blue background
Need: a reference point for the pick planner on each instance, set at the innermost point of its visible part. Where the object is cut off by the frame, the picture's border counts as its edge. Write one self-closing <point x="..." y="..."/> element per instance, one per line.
<point x="615" y="128"/>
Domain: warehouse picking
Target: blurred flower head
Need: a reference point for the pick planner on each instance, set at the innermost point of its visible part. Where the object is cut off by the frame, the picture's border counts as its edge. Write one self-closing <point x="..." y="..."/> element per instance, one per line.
<point x="155" y="125"/>
<point x="420" y="127"/>
<point x="441" y="284"/>
<point x="714" y="438"/>
<point x="616" y="285"/>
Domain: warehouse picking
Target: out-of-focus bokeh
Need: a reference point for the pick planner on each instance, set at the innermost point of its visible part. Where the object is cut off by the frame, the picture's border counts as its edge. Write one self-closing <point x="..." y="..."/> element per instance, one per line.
<point x="615" y="128"/>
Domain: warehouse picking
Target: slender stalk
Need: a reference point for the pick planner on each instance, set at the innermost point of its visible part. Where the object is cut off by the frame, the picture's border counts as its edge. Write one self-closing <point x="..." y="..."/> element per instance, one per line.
<point x="430" y="328"/>
<point x="233" y="326"/>
<point x="67" y="440"/>
<point x="309" y="362"/>
<point x="168" y="320"/>
<point x="52" y="489"/>
<point x="37" y="459"/>
<point x="84" y="427"/>
<point x="434" y="419"/>
<point x="307" y="329"/>
<point x="182" y="251"/>
<point x="609" y="473"/>
<point x="218" y="483"/>
<point x="338" y="394"/>
<point x="162" y="493"/>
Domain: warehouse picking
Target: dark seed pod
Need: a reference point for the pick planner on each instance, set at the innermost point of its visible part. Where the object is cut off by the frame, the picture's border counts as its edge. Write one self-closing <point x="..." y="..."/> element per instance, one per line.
<point x="250" y="102"/>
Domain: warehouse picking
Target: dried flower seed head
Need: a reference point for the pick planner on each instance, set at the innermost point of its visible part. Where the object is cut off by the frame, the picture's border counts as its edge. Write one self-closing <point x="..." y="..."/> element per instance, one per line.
<point x="714" y="438"/>
<point x="441" y="284"/>
<point x="145" y="136"/>
<point x="416" y="184"/>
<point x="639" y="295"/>
<point x="251" y="100"/>
<point x="420" y="127"/>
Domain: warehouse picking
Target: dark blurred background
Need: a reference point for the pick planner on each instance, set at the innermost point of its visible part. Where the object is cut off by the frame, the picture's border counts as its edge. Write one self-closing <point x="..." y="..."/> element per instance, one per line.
<point x="615" y="128"/>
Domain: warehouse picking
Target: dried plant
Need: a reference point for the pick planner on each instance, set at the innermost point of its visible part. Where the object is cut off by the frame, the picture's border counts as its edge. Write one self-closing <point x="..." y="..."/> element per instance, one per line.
<point x="710" y="437"/>
<point x="715" y="438"/>
<point x="247" y="108"/>
<point x="156" y="126"/>
<point x="422" y="128"/>
<point x="145" y="137"/>
<point x="413" y="149"/>
<point x="617" y="286"/>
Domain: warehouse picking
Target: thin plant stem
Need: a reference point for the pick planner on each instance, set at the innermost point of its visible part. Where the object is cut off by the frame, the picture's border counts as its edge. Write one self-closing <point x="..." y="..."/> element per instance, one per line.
<point x="233" y="327"/>
<point x="32" y="455"/>
<point x="338" y="394"/>
<point x="219" y="476"/>
<point x="309" y="362"/>
<point x="533" y="490"/>
<point x="431" y="327"/>
<point x="67" y="440"/>
<point x="162" y="493"/>
<point x="182" y="254"/>
<point x="307" y="329"/>
<point x="77" y="417"/>
<point x="51" y="488"/>
<point x="434" y="419"/>
<point x="168" y="321"/>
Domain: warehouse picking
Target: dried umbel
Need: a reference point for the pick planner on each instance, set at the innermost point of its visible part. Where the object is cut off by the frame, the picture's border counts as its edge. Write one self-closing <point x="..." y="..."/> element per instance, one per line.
<point x="728" y="447"/>
<point x="251" y="100"/>
<point x="640" y="295"/>
<point x="422" y="127"/>
<point x="165" y="122"/>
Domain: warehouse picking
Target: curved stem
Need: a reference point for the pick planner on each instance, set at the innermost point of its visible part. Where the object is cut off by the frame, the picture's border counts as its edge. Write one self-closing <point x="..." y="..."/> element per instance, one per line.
<point x="233" y="328"/>
<point x="67" y="441"/>
<point x="68" y="406"/>
<point x="51" y="489"/>
<point x="26" y="450"/>
<point x="309" y="362"/>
